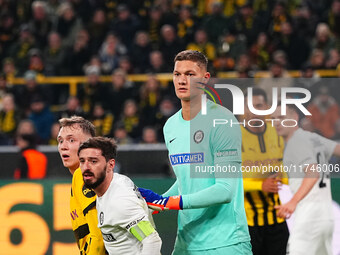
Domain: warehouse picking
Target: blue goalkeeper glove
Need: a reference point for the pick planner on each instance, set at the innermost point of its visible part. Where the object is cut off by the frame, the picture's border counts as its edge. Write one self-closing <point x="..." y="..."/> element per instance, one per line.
<point x="160" y="203"/>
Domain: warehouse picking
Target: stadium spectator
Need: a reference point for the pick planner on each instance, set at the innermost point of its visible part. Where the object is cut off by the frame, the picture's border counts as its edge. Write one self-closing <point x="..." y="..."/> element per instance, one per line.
<point x="131" y="120"/>
<point x="317" y="59"/>
<point x="54" y="134"/>
<point x="93" y="91"/>
<point x="19" y="49"/>
<point x="84" y="9"/>
<point x="150" y="97"/>
<point x="295" y="46"/>
<point x="7" y="32"/>
<point x="279" y="56"/>
<point x="157" y="63"/>
<point x="260" y="52"/>
<point x="36" y="62"/>
<point x="304" y="21"/>
<point x="186" y="25"/>
<point x="10" y="117"/>
<point x="279" y="16"/>
<point x="25" y="94"/>
<point x="98" y="28"/>
<point x="78" y="54"/>
<point x="126" y="65"/>
<point x="166" y="109"/>
<point x="121" y="135"/>
<point x="154" y="24"/>
<point x="229" y="50"/>
<point x="140" y="52"/>
<point x="247" y="23"/>
<point x="68" y="24"/>
<point x="149" y="135"/>
<point x="308" y="78"/>
<point x="40" y="24"/>
<point x="54" y="56"/>
<point x="333" y="59"/>
<point x="26" y="126"/>
<point x="32" y="163"/>
<point x="125" y="25"/>
<point x="9" y="69"/>
<point x="4" y="88"/>
<point x="243" y="63"/>
<point x="71" y="108"/>
<point x="120" y="90"/>
<point x="169" y="44"/>
<point x="333" y="17"/>
<point x="325" y="112"/>
<point x="216" y="23"/>
<point x="109" y="54"/>
<point x="42" y="118"/>
<point x="323" y="39"/>
<point x="202" y="44"/>
<point x="102" y="120"/>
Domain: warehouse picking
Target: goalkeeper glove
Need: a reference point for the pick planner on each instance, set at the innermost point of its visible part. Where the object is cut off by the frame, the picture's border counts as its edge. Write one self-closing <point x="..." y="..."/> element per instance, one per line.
<point x="160" y="203"/>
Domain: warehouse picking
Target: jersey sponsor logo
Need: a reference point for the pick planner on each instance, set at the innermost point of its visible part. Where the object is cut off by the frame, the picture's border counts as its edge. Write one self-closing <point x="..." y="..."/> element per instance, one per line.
<point x="133" y="223"/>
<point x="74" y="214"/>
<point x="187" y="158"/>
<point x="101" y="218"/>
<point x="108" y="237"/>
<point x="88" y="192"/>
<point x="226" y="153"/>
<point x="198" y="136"/>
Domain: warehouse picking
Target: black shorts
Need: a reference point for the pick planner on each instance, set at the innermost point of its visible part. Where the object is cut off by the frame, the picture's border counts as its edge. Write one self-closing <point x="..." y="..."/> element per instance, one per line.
<point x="269" y="240"/>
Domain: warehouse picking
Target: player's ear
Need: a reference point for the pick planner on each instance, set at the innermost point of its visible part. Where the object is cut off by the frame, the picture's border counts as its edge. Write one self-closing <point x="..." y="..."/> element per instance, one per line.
<point x="111" y="164"/>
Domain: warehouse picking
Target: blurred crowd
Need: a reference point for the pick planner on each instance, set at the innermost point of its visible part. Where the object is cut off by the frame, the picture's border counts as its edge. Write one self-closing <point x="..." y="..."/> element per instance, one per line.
<point x="118" y="38"/>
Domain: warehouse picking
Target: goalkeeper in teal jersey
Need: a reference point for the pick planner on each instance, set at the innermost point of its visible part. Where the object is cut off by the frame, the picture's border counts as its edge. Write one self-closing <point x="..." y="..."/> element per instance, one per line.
<point x="212" y="219"/>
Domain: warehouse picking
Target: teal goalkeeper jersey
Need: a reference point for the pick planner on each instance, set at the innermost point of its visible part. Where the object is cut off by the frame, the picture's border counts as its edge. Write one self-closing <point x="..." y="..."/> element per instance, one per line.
<point x="213" y="212"/>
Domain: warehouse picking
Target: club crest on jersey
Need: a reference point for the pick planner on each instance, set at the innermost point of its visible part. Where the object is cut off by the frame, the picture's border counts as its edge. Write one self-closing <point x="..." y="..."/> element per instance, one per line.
<point x="88" y="192"/>
<point x="198" y="136"/>
<point x="101" y="218"/>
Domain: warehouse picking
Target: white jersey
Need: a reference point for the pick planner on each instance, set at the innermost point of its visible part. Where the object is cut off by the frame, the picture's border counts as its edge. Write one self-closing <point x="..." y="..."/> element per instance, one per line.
<point x="305" y="148"/>
<point x="120" y="209"/>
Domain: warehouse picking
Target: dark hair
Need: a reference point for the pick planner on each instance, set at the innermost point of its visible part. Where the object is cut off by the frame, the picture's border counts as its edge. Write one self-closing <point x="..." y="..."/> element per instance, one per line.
<point x="85" y="125"/>
<point x="107" y="145"/>
<point x="30" y="139"/>
<point x="258" y="92"/>
<point x="194" y="56"/>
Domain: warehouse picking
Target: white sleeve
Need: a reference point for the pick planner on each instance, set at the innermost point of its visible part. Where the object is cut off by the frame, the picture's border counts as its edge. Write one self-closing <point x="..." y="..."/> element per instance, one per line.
<point x="328" y="144"/>
<point x="152" y="244"/>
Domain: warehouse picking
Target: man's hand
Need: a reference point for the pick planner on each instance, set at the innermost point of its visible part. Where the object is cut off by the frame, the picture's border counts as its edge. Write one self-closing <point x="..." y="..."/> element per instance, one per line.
<point x="271" y="184"/>
<point x="286" y="210"/>
<point x="159" y="203"/>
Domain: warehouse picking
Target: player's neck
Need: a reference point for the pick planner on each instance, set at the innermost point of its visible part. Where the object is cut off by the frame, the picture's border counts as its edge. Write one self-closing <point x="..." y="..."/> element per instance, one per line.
<point x="73" y="169"/>
<point x="102" y="188"/>
<point x="190" y="109"/>
<point x="290" y="134"/>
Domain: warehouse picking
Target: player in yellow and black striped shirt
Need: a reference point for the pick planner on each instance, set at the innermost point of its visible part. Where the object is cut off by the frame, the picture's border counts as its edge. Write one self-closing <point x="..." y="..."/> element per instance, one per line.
<point x="261" y="146"/>
<point x="83" y="213"/>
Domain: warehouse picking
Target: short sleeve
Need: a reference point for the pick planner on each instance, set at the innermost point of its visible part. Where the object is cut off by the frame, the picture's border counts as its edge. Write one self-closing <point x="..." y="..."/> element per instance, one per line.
<point x="328" y="145"/>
